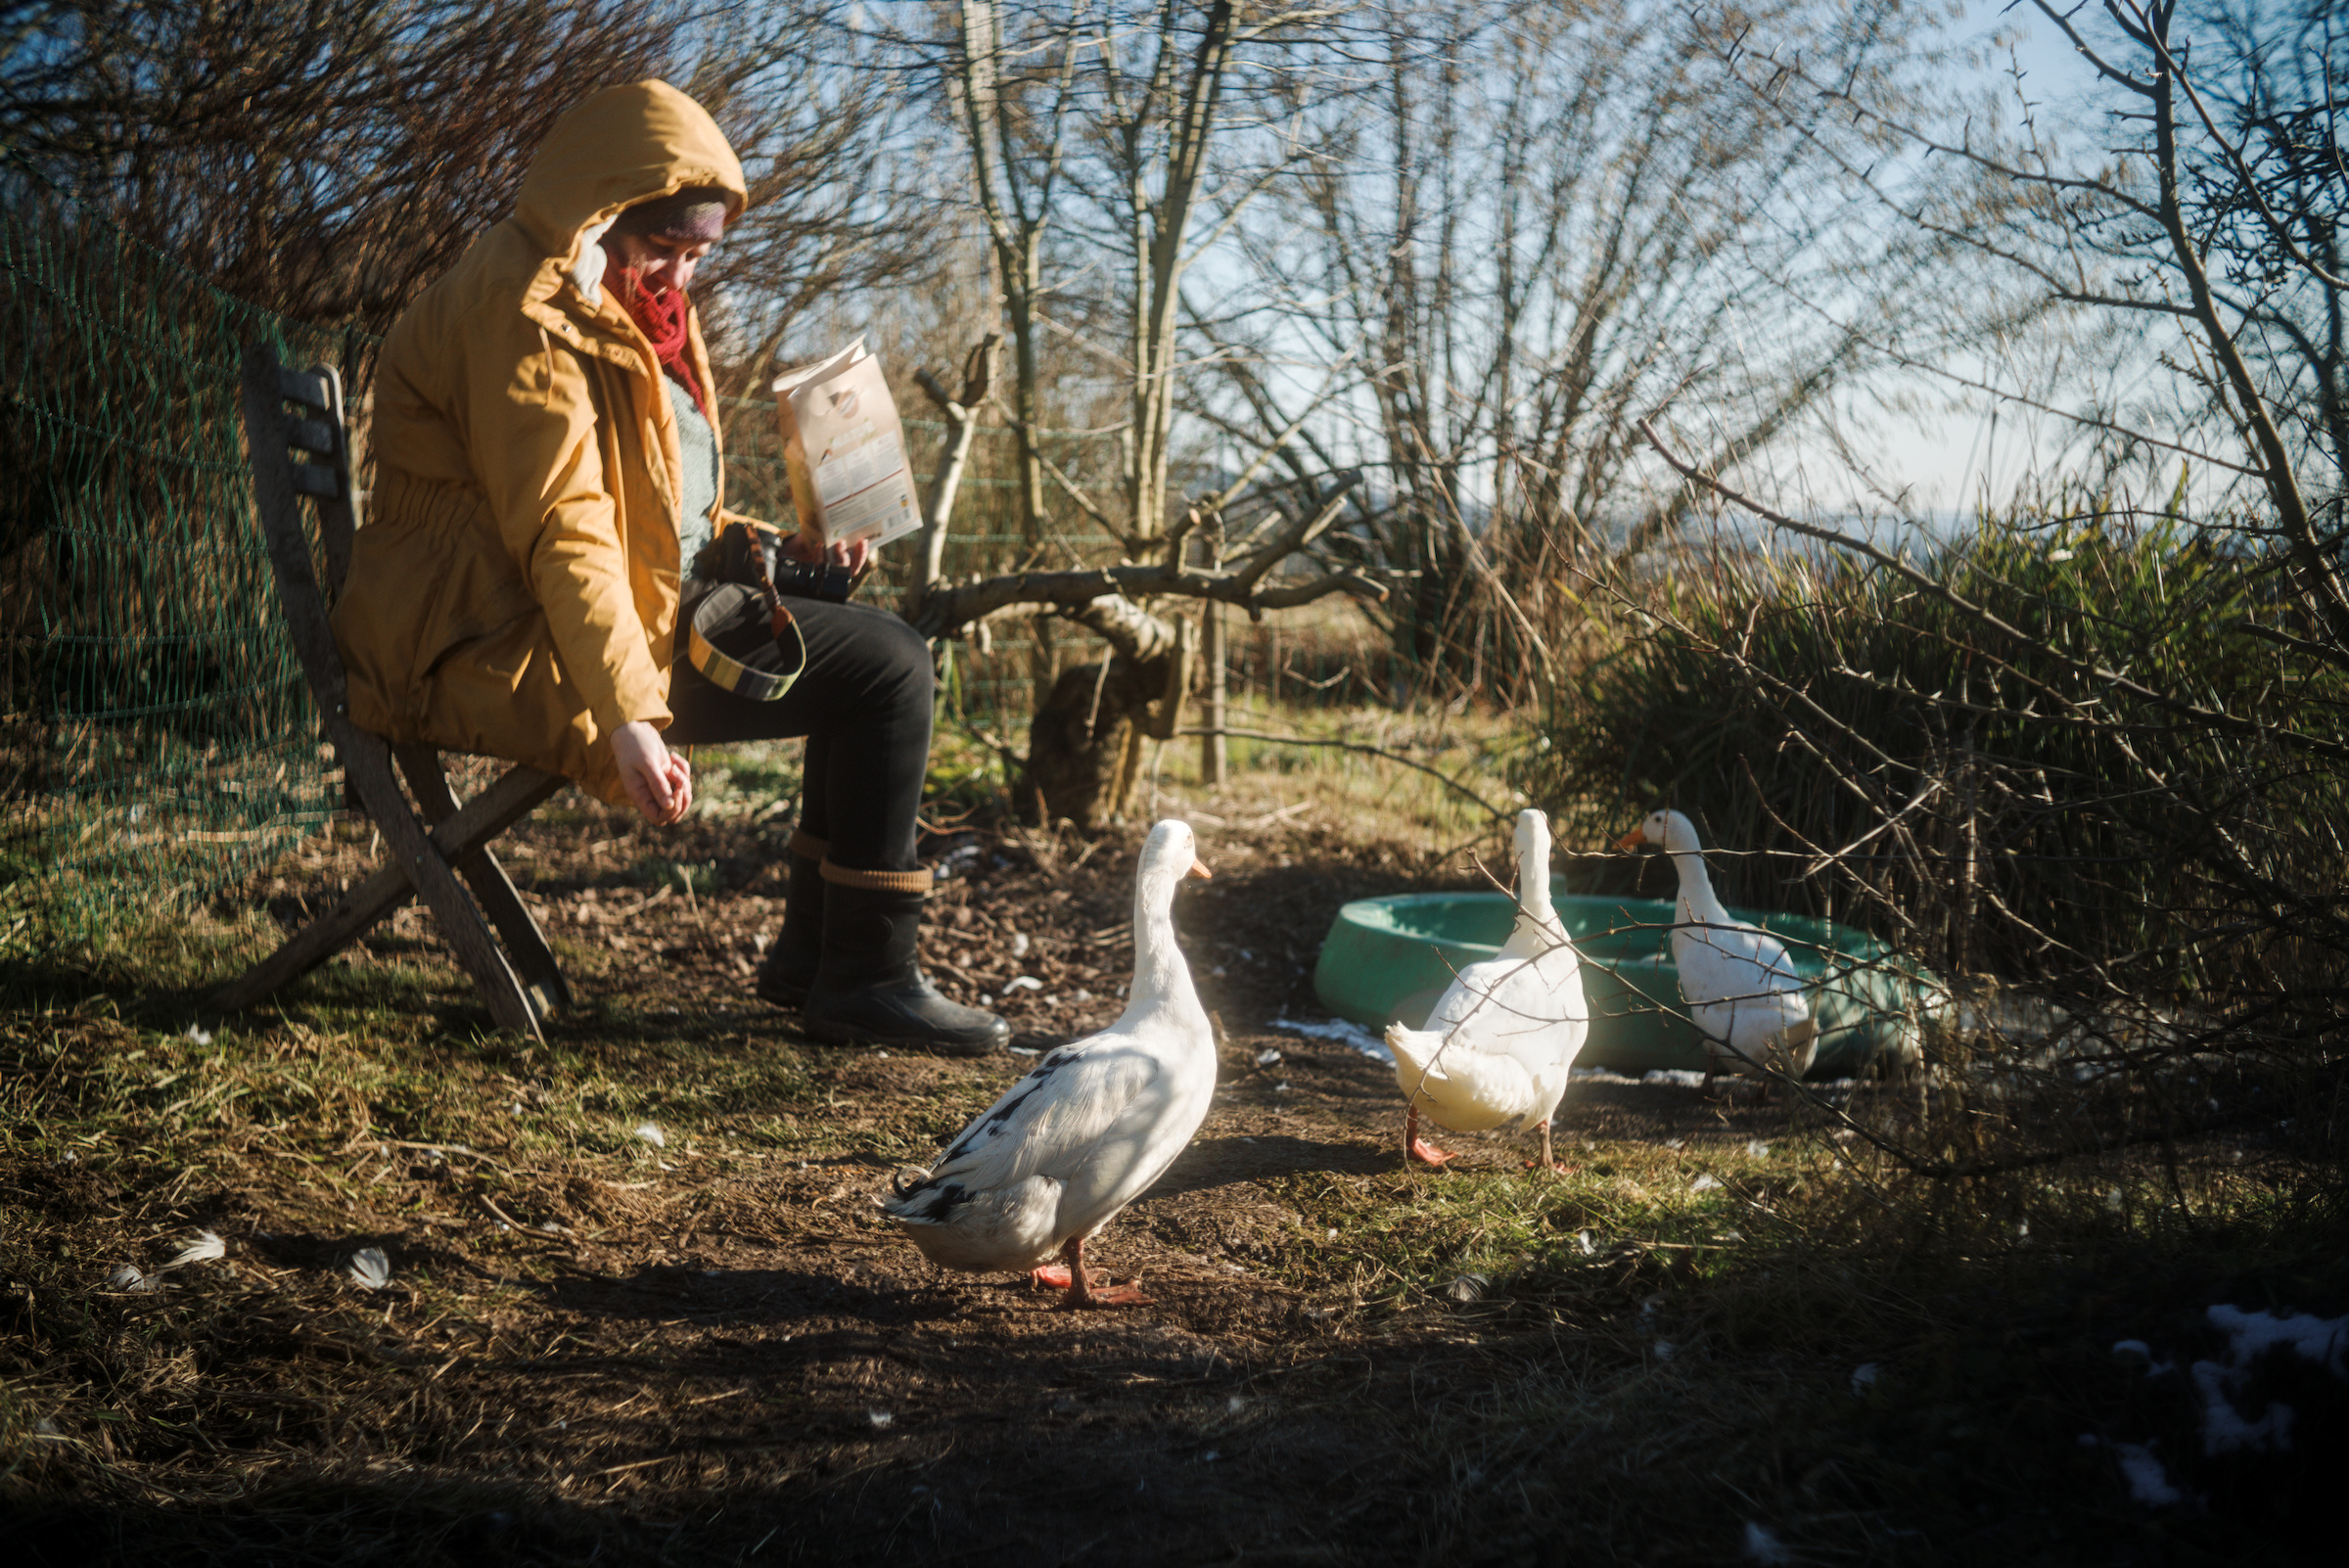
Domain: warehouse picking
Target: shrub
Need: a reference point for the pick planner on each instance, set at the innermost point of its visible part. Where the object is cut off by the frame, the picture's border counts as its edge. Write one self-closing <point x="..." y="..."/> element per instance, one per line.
<point x="1864" y="749"/>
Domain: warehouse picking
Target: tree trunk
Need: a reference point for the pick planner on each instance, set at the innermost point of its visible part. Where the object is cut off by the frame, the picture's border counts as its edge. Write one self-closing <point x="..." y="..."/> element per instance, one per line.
<point x="1211" y="744"/>
<point x="1086" y="744"/>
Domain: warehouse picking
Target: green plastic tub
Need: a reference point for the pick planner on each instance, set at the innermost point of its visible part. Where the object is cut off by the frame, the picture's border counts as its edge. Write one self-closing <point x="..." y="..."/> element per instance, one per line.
<point x="1386" y="960"/>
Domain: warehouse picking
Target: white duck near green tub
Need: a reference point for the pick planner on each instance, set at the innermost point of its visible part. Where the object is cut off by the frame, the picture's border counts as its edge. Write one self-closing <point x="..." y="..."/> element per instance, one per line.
<point x="1500" y="1046"/>
<point x="1740" y="986"/>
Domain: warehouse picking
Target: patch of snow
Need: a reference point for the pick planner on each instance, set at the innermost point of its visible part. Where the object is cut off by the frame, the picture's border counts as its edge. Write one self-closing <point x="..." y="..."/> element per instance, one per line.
<point x="2322" y="1340"/>
<point x="1343" y="1032"/>
<point x="1677" y="1076"/>
<point x="1762" y="1545"/>
<point x="2224" y="1428"/>
<point x="1599" y="1074"/>
<point x="2252" y="1337"/>
<point x="2149" y="1482"/>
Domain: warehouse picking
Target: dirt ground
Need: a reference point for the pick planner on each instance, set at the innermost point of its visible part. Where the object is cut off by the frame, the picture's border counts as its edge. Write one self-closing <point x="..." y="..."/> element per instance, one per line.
<point x="717" y="1354"/>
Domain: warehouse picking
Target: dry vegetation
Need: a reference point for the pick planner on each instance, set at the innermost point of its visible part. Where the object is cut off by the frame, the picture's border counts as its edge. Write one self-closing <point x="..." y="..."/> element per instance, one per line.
<point x="706" y="1350"/>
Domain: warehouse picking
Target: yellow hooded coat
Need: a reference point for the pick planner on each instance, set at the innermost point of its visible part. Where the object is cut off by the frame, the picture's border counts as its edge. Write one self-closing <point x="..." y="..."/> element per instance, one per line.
<point x="514" y="589"/>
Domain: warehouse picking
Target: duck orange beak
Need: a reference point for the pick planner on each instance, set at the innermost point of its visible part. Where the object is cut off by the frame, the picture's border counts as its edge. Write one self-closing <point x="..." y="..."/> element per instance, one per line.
<point x="1632" y="840"/>
<point x="1199" y="869"/>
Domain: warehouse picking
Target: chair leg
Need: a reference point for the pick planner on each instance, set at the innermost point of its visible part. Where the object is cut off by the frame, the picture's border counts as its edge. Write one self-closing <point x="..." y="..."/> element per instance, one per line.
<point x="481" y="821"/>
<point x="525" y="944"/>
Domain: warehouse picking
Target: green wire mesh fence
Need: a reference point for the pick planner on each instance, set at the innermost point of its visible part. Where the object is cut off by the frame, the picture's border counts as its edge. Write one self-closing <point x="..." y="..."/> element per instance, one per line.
<point x="155" y="739"/>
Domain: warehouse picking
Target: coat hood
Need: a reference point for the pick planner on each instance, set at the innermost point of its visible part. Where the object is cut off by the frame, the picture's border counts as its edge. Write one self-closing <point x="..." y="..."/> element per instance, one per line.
<point x="616" y="147"/>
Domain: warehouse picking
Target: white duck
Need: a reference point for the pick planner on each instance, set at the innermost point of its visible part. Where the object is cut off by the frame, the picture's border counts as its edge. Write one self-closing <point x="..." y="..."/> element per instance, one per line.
<point x="1500" y="1045"/>
<point x="1740" y="987"/>
<point x="1090" y="1127"/>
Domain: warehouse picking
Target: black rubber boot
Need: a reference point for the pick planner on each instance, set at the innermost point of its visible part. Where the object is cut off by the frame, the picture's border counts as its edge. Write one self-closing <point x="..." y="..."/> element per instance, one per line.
<point x="869" y="990"/>
<point x="789" y="968"/>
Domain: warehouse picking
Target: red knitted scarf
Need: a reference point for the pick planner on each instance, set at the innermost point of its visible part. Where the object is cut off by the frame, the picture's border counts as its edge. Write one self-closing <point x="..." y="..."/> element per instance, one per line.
<point x="663" y="319"/>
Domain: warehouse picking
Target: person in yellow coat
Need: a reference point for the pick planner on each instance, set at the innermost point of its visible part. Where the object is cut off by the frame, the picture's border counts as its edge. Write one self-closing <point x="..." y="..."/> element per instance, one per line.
<point x="549" y="476"/>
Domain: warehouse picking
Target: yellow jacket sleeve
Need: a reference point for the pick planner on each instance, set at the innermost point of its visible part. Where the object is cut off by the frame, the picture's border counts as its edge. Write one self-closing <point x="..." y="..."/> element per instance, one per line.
<point x="530" y="425"/>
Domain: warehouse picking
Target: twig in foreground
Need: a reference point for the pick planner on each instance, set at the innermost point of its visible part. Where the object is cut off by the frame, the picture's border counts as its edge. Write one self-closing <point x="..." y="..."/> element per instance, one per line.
<point x="1452" y="784"/>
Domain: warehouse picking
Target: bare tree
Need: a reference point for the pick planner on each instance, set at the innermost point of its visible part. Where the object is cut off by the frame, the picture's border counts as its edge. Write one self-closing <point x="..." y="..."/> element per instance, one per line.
<point x="1110" y="147"/>
<point x="1534" y="224"/>
<point x="2097" y="750"/>
<point x="325" y="163"/>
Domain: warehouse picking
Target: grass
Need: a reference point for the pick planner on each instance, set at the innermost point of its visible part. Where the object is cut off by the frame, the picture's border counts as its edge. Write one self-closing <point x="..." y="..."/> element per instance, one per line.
<point x="1641" y="1361"/>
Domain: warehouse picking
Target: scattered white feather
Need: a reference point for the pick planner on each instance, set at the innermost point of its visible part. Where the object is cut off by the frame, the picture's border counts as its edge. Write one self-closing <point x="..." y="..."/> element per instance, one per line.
<point x="652" y="1134"/>
<point x="1600" y="1074"/>
<point x="1756" y="1148"/>
<point x="1665" y="1350"/>
<point x="202" y="1247"/>
<point x="1762" y="1545"/>
<point x="881" y="1419"/>
<point x="1704" y="1183"/>
<point x="1266" y="1057"/>
<point x="202" y="1036"/>
<point x="2148" y="1483"/>
<point x="127" y="1277"/>
<point x="370" y="1269"/>
<point x="1677" y="1076"/>
<point x="1022" y="983"/>
<point x="1581" y="1239"/>
<point x="1018" y="944"/>
<point x="1864" y="1377"/>
<point x="1025" y="1050"/>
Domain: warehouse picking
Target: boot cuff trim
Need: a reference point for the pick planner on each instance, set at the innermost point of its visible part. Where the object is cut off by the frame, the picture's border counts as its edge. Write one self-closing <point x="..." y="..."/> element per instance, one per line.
<point x="878" y="881"/>
<point x="808" y="846"/>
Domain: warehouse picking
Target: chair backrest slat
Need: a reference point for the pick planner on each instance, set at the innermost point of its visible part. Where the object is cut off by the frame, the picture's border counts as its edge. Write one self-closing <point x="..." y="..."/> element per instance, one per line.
<point x="316" y="479"/>
<point x="306" y="387"/>
<point x="314" y="436"/>
<point x="277" y="485"/>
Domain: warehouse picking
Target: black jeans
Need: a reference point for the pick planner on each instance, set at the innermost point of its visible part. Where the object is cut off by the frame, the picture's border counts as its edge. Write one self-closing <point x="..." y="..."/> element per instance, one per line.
<point x="864" y="703"/>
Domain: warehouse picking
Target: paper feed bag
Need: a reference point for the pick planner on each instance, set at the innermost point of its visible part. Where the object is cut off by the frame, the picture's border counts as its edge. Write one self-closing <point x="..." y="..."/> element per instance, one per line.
<point x="845" y="450"/>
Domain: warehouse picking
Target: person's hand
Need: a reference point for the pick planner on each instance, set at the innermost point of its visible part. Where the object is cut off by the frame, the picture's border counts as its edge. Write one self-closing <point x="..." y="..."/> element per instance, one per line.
<point x="852" y="556"/>
<point x="659" y="781"/>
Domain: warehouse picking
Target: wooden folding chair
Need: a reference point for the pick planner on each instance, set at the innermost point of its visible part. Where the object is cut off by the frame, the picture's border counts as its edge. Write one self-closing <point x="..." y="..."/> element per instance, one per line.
<point x="307" y="453"/>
